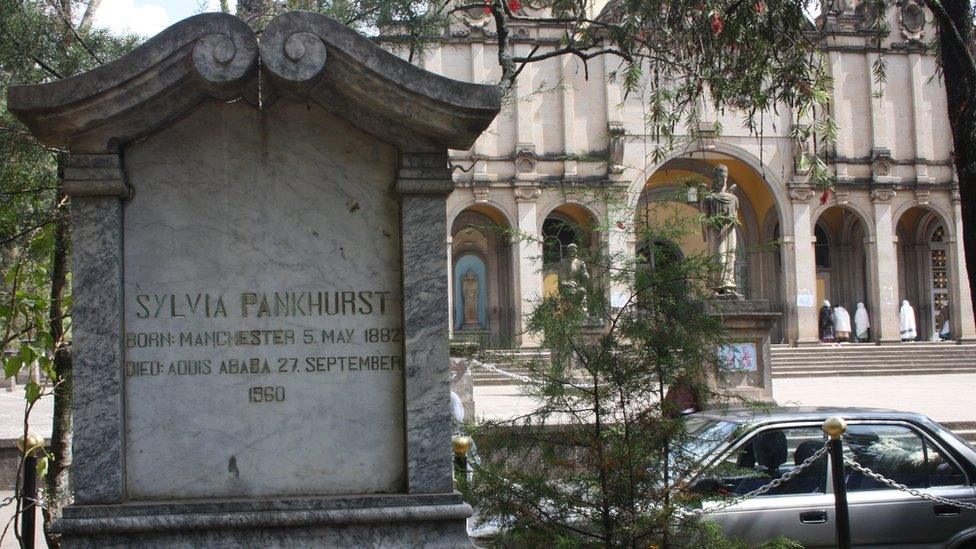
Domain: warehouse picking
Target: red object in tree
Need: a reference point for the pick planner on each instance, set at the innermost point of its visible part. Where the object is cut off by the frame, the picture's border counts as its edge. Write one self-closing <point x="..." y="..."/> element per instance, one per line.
<point x="825" y="196"/>
<point x="760" y="7"/>
<point x="620" y="225"/>
<point x="717" y="24"/>
<point x="488" y="6"/>
<point x="514" y="5"/>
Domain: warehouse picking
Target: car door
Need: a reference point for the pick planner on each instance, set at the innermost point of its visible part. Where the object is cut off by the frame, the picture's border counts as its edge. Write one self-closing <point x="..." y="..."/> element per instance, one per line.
<point x="884" y="516"/>
<point x="800" y="509"/>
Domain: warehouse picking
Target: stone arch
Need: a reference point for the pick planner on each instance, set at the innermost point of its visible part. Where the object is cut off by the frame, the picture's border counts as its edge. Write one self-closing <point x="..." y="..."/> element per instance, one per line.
<point x="846" y="279"/>
<point x="479" y="230"/>
<point x="775" y="185"/>
<point x="490" y="205"/>
<point x="566" y="222"/>
<point x="926" y="277"/>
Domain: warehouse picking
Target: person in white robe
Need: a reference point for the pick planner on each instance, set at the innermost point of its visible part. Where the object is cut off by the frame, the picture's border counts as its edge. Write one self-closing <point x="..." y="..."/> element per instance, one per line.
<point x="842" y="323"/>
<point x="862" y="323"/>
<point x="906" y="322"/>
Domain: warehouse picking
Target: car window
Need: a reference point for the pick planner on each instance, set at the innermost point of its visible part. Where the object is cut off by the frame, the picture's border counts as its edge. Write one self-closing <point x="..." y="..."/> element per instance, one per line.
<point x="770" y="454"/>
<point x="941" y="471"/>
<point x="899" y="454"/>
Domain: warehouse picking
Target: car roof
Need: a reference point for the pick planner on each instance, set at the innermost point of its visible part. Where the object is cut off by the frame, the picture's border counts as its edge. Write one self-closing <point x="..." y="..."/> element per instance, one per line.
<point x="780" y="414"/>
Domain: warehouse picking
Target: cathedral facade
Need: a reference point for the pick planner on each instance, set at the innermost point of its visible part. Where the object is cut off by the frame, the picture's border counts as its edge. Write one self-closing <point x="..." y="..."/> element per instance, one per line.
<point x="569" y="159"/>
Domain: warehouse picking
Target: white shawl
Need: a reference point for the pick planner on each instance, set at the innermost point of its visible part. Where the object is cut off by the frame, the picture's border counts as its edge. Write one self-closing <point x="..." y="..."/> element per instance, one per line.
<point x="906" y="321"/>
<point x="842" y="320"/>
<point x="861" y="320"/>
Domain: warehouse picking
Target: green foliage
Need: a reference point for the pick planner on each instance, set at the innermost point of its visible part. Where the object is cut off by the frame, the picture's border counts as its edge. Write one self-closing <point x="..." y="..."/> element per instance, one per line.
<point x="600" y="458"/>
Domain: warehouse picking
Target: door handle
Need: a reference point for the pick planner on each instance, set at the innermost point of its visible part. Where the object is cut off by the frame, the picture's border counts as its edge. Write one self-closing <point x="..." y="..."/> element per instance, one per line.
<point x="814" y="517"/>
<point x="945" y="510"/>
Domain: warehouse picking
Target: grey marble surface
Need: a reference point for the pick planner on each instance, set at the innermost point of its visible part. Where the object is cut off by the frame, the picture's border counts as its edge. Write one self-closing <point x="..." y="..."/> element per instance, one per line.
<point x="303" y="56"/>
<point x="97" y="446"/>
<point x="436" y="520"/>
<point x="428" y="417"/>
<point x="231" y="206"/>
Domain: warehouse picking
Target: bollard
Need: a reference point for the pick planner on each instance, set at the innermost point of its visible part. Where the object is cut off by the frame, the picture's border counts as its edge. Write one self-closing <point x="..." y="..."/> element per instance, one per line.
<point x="28" y="498"/>
<point x="835" y="427"/>
<point x="461" y="446"/>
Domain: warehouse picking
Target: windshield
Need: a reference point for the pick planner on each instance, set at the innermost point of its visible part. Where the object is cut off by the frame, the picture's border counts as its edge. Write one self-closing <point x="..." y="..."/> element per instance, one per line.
<point x="704" y="435"/>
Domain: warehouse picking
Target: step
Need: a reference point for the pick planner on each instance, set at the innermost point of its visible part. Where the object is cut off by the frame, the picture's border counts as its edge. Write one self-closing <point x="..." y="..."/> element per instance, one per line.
<point x="867" y="372"/>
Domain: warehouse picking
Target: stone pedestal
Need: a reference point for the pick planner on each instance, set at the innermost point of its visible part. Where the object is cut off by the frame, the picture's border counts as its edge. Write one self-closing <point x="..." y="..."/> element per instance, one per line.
<point x="260" y="309"/>
<point x="744" y="358"/>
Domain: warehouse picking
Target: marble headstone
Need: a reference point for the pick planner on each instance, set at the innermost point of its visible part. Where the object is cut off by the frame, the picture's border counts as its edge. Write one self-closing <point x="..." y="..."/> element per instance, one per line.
<point x="260" y="315"/>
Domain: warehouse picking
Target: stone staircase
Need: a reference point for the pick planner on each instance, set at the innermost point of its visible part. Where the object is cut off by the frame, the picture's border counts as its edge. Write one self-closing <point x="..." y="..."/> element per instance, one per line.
<point x="508" y="361"/>
<point x="873" y="360"/>
<point x="965" y="429"/>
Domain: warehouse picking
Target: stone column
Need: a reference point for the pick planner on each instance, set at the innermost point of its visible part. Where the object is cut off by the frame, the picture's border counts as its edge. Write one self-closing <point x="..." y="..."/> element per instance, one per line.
<point x="960" y="298"/>
<point x="423" y="183"/>
<point x="806" y="267"/>
<point x="884" y="269"/>
<point x="529" y="258"/>
<point x="450" y="283"/>
<point x="621" y="240"/>
<point x="96" y="185"/>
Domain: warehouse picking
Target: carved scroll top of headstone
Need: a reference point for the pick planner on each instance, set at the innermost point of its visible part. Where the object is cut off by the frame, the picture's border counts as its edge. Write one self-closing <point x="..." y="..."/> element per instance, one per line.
<point x="304" y="56"/>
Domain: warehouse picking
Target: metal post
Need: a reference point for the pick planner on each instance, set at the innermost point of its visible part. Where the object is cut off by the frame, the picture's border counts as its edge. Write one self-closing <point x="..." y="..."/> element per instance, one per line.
<point x="28" y="504"/>
<point x="835" y="428"/>
<point x="461" y="446"/>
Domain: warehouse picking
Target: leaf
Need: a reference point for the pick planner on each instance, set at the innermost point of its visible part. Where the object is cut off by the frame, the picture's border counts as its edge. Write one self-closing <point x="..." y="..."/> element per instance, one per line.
<point x="42" y="465"/>
<point x="33" y="392"/>
<point x="47" y="366"/>
<point x="12" y="365"/>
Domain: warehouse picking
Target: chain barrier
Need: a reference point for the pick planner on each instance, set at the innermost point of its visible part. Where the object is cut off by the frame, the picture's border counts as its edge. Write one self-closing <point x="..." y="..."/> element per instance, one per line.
<point x="496" y="370"/>
<point x="776" y="483"/>
<point x="898" y="486"/>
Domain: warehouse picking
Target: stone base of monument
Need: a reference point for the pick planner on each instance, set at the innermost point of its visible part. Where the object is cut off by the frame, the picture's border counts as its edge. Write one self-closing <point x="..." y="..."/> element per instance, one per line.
<point x="477" y="336"/>
<point x="432" y="520"/>
<point x="745" y="354"/>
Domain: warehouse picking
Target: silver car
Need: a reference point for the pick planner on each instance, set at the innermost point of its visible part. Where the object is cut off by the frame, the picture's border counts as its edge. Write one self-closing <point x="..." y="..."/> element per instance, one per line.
<point x="746" y="449"/>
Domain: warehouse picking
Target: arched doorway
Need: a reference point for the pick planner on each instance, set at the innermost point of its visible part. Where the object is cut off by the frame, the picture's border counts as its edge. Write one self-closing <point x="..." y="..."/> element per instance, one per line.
<point x="566" y="224"/>
<point x="923" y="267"/>
<point x="840" y="253"/>
<point x="482" y="304"/>
<point x="669" y="202"/>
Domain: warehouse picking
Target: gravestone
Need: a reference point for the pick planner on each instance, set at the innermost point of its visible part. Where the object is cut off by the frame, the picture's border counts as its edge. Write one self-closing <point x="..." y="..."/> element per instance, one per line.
<point x="260" y="291"/>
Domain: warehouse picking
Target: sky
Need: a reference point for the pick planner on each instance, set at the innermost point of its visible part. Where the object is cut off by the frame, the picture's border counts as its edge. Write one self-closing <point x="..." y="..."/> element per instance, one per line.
<point x="148" y="17"/>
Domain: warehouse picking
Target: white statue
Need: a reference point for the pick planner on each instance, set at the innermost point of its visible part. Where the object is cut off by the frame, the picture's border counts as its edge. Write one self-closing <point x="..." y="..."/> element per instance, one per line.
<point x="721" y="209"/>
<point x="469" y="300"/>
<point x="575" y="279"/>
<point x="861" y="323"/>
<point x="906" y="322"/>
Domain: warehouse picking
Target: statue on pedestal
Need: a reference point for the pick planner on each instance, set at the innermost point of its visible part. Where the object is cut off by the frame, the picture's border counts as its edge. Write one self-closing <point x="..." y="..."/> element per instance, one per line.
<point x="469" y="297"/>
<point x="721" y="209"/>
<point x="576" y="277"/>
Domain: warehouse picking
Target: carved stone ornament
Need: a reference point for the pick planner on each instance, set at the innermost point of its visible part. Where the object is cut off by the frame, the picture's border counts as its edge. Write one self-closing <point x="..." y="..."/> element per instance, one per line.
<point x="881" y="163"/>
<point x="525" y="160"/>
<point x="481" y="194"/>
<point x="923" y="196"/>
<point x="912" y="19"/>
<point x="801" y="194"/>
<point x="215" y="55"/>
<point x="842" y="196"/>
<point x="955" y="196"/>
<point x="527" y="193"/>
<point x="615" y="152"/>
<point x="867" y="14"/>
<point x="882" y="195"/>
